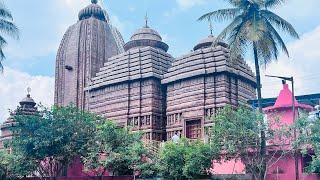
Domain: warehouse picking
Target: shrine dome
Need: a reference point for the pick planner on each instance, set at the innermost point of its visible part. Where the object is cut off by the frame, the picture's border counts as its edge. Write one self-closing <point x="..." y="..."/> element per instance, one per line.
<point x="146" y="33"/>
<point x="207" y="42"/>
<point x="27" y="101"/>
<point x="146" y="37"/>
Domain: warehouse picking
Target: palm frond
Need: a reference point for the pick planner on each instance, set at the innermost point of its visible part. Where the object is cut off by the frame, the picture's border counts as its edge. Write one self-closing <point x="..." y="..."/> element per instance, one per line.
<point x="228" y="29"/>
<point x="267" y="49"/>
<point x="2" y="57"/>
<point x="238" y="40"/>
<point x="279" y="22"/>
<point x="239" y="3"/>
<point x="255" y="28"/>
<point x="222" y="14"/>
<point x="4" y="12"/>
<point x="3" y="42"/>
<point x="9" y="28"/>
<point x="273" y="3"/>
<point x="277" y="38"/>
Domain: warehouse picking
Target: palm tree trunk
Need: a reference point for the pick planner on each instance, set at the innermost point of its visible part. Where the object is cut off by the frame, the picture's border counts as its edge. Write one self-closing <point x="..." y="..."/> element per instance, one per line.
<point x="263" y="135"/>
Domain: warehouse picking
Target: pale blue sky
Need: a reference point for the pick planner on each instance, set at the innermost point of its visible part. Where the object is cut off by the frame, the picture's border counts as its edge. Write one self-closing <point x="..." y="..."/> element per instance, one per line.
<point x="31" y="60"/>
<point x="43" y="22"/>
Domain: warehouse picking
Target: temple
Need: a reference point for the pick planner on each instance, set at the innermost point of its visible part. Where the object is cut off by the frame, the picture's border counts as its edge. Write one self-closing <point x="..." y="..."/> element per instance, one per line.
<point x="140" y="84"/>
<point x="27" y="107"/>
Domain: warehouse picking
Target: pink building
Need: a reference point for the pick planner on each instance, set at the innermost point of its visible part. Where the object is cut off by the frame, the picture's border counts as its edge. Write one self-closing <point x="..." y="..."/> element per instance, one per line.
<point x="282" y="110"/>
<point x="280" y="114"/>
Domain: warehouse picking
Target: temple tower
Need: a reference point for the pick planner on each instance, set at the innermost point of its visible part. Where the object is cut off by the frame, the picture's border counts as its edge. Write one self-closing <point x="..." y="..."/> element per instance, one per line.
<point x="128" y="88"/>
<point x="27" y="107"/>
<point x="201" y="82"/>
<point x="84" y="49"/>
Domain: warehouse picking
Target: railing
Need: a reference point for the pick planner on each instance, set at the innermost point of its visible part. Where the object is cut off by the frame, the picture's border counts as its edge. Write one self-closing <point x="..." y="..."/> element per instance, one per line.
<point x="152" y="146"/>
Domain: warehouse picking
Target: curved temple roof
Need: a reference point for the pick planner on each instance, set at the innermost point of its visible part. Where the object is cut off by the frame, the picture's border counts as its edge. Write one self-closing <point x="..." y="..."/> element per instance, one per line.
<point x="146" y="37"/>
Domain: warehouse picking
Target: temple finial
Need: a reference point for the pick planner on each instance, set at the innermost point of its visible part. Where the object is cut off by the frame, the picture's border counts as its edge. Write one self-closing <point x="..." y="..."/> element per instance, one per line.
<point x="94" y="1"/>
<point x="28" y="90"/>
<point x="211" y="27"/>
<point x="146" y="19"/>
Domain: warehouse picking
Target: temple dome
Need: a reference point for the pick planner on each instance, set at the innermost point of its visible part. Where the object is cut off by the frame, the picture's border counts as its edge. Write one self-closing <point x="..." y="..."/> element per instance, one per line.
<point x="27" y="101"/>
<point x="146" y="37"/>
<point x="92" y="10"/>
<point x="146" y="33"/>
<point x="207" y="42"/>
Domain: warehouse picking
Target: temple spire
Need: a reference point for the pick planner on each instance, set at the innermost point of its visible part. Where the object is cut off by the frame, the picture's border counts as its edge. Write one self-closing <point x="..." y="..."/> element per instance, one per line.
<point x="94" y="1"/>
<point x="28" y="91"/>
<point x="211" y="28"/>
<point x="146" y="19"/>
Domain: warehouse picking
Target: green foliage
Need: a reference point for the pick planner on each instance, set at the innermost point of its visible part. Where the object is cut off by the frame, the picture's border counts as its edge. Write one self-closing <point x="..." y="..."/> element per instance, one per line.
<point x="236" y="130"/>
<point x="312" y="145"/>
<point x="53" y="137"/>
<point x="122" y="150"/>
<point x="12" y="166"/>
<point x="253" y="25"/>
<point x="147" y="169"/>
<point x="185" y="159"/>
<point x="7" y="28"/>
<point x="4" y="163"/>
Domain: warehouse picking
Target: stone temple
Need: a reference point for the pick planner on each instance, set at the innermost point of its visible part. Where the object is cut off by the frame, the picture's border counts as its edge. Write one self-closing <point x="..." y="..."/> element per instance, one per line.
<point x="139" y="84"/>
<point x="27" y="107"/>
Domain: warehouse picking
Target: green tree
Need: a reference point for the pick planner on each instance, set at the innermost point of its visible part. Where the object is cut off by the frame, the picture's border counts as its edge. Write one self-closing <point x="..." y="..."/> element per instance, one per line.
<point x="49" y="141"/>
<point x="236" y="132"/>
<point x="4" y="163"/>
<point x="8" y="28"/>
<point x="113" y="149"/>
<point x="185" y="159"/>
<point x="310" y="140"/>
<point x="253" y="27"/>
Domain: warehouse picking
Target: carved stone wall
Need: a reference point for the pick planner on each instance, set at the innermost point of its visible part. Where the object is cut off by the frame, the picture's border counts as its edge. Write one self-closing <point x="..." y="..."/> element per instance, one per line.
<point x="200" y="83"/>
<point x="138" y="104"/>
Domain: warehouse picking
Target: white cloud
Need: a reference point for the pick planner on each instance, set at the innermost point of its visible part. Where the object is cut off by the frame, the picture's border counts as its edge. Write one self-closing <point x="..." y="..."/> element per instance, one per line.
<point x="303" y="65"/>
<point x="13" y="85"/>
<point x="186" y="4"/>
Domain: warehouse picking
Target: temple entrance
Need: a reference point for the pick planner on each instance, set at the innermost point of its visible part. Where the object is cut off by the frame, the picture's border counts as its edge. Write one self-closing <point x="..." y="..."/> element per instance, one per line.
<point x="193" y="129"/>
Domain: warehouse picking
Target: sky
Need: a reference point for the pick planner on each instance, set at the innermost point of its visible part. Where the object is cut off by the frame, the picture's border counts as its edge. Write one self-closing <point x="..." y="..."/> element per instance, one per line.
<point x="31" y="60"/>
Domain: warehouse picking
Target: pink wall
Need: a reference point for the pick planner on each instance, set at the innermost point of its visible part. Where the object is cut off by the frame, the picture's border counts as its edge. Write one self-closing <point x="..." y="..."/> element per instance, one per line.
<point x="229" y="167"/>
<point x="77" y="170"/>
<point x="286" y="164"/>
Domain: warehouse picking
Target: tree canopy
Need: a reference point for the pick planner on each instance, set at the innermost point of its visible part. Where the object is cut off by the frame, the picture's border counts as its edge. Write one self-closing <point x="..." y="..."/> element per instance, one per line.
<point x="49" y="141"/>
<point x="185" y="159"/>
<point x="121" y="150"/>
<point x="236" y="133"/>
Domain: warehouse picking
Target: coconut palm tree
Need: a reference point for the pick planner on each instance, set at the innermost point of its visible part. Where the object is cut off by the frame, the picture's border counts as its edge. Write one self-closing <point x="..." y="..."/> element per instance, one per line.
<point x="253" y="27"/>
<point x="7" y="28"/>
